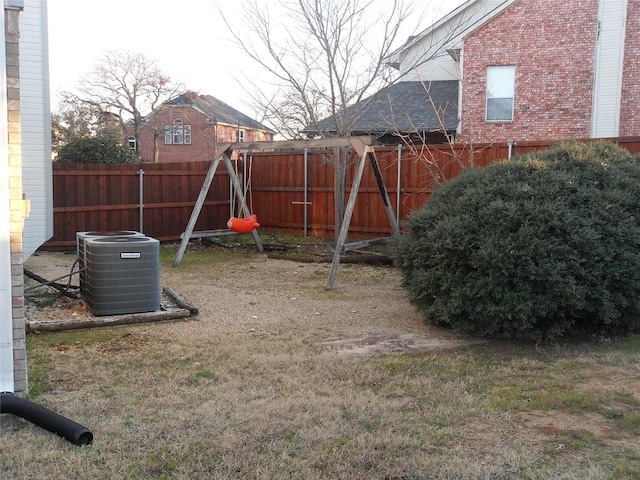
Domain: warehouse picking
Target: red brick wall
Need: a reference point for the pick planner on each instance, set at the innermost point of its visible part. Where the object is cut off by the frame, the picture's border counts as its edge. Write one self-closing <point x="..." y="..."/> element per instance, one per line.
<point x="202" y="142"/>
<point x="552" y="45"/>
<point x="630" y="106"/>
<point x="204" y="137"/>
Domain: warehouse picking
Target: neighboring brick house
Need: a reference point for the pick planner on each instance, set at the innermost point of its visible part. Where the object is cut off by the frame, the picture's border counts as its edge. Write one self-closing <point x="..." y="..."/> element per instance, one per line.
<point x="191" y="126"/>
<point x="534" y="69"/>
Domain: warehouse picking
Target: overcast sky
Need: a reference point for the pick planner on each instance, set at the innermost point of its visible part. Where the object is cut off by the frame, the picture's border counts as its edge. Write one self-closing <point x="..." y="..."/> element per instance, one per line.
<point x="188" y="40"/>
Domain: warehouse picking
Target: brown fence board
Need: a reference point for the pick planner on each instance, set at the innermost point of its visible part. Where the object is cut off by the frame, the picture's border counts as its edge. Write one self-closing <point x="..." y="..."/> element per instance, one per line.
<point x="106" y="197"/>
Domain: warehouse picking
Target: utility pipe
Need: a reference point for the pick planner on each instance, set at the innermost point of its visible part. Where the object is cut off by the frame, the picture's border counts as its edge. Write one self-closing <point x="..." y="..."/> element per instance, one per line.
<point x="55" y="423"/>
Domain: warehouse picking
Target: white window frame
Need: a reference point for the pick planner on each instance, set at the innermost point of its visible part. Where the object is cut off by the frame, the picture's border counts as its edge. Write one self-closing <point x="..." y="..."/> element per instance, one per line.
<point x="501" y="85"/>
<point x="240" y="135"/>
<point x="178" y="132"/>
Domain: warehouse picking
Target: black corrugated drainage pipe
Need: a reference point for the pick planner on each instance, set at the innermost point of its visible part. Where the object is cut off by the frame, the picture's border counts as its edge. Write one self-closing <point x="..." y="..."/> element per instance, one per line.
<point x="70" y="430"/>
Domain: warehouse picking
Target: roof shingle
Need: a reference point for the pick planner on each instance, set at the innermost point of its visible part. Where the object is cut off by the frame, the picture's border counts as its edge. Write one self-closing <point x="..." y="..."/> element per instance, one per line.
<point x="218" y="111"/>
<point x="404" y="107"/>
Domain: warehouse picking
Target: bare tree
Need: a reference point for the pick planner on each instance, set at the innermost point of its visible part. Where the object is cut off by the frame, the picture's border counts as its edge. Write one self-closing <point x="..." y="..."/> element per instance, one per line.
<point x="322" y="57"/>
<point x="287" y="112"/>
<point x="126" y="85"/>
<point x="441" y="42"/>
<point x="73" y="120"/>
<point x="417" y="141"/>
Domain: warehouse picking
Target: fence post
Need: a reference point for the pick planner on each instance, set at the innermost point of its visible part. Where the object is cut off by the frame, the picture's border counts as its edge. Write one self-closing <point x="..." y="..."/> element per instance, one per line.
<point x="141" y="204"/>
<point x="306" y="192"/>
<point x="399" y="186"/>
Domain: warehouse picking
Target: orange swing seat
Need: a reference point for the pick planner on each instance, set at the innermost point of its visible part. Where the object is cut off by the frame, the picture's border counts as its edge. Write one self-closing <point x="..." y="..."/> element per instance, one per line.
<point x="243" y="225"/>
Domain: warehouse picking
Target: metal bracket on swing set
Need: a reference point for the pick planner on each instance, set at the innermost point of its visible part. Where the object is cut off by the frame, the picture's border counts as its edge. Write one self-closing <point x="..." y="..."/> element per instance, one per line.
<point x="225" y="150"/>
<point x="365" y="152"/>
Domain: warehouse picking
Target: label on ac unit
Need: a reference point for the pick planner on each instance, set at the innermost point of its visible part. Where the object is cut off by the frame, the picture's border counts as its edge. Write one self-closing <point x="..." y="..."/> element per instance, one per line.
<point x="130" y="255"/>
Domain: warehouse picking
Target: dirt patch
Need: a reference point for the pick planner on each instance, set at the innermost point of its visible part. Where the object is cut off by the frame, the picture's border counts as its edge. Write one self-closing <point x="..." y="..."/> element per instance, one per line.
<point x="410" y="342"/>
<point x="366" y="313"/>
<point x="562" y="429"/>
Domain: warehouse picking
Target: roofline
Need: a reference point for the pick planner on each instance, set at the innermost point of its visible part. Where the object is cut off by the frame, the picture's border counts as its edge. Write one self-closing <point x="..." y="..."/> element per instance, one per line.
<point x="375" y="132"/>
<point x="446" y="19"/>
<point x="434" y="26"/>
<point x="212" y="119"/>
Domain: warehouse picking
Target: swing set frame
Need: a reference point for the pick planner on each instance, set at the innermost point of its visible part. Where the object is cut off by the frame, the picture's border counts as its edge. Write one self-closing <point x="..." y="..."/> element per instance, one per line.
<point x="362" y="145"/>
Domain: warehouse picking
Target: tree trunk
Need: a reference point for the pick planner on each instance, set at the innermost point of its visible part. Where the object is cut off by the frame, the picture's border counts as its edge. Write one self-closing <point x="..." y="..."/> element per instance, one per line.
<point x="155" y="147"/>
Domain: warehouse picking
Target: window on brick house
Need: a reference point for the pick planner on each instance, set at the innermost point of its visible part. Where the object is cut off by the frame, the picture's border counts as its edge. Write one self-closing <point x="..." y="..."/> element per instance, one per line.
<point x="500" y="92"/>
<point x="131" y="140"/>
<point x="240" y="136"/>
<point x="178" y="133"/>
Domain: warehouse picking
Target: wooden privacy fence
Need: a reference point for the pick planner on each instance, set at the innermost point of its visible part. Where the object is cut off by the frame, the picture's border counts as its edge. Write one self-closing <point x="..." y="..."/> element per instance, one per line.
<point x="156" y="198"/>
<point x="288" y="191"/>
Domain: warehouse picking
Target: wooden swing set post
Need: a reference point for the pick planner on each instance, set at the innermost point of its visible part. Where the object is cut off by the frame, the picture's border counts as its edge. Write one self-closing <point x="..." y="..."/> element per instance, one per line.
<point x="362" y="145"/>
<point x="189" y="233"/>
<point x="365" y="151"/>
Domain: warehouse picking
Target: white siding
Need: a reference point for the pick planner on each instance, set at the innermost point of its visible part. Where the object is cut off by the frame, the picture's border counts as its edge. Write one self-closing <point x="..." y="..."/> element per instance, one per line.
<point x="427" y="58"/>
<point x="440" y="67"/>
<point x="608" y="74"/>
<point x="36" y="124"/>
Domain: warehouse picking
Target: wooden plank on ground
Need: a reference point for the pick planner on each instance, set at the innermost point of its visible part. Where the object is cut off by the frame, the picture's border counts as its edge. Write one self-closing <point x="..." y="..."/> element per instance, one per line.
<point x="106" y="321"/>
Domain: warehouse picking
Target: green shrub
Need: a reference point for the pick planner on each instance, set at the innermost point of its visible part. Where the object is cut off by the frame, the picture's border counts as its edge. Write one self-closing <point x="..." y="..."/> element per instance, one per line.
<point x="542" y="246"/>
<point x="102" y="148"/>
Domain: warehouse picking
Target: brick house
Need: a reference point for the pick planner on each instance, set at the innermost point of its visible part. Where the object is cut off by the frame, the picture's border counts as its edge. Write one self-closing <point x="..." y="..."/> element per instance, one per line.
<point x="534" y="69"/>
<point x="191" y="126"/>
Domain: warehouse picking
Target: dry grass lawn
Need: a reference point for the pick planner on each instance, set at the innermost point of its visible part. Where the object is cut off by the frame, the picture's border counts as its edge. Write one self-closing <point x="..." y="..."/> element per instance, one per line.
<point x="278" y="378"/>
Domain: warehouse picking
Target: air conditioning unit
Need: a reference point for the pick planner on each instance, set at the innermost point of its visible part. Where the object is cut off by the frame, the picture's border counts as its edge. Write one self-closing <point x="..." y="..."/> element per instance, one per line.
<point x="80" y="238"/>
<point x="122" y="274"/>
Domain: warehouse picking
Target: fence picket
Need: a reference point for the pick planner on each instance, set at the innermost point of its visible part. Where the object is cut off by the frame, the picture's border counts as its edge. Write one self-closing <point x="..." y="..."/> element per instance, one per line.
<point x="90" y="197"/>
